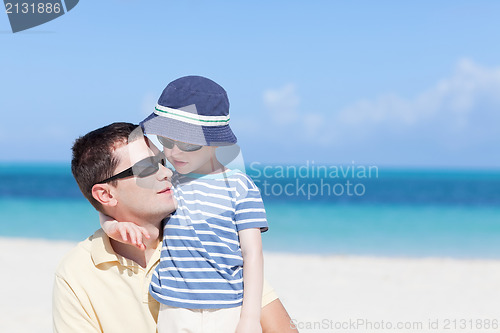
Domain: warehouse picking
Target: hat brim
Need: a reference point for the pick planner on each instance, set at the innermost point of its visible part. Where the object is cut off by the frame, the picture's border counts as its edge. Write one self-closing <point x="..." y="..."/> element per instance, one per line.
<point x="189" y="133"/>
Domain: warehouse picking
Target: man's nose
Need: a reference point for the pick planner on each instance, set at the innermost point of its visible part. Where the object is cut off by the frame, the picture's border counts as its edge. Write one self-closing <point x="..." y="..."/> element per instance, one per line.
<point x="164" y="172"/>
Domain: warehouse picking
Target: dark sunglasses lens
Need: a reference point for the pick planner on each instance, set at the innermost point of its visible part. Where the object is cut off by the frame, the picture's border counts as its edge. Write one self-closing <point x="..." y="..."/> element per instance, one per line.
<point x="148" y="171"/>
<point x="188" y="147"/>
<point x="145" y="168"/>
<point x="148" y="166"/>
<point x="166" y="142"/>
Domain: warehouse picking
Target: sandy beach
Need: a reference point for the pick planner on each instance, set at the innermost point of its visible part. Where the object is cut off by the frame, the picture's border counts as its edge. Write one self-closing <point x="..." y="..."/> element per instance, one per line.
<point x="321" y="293"/>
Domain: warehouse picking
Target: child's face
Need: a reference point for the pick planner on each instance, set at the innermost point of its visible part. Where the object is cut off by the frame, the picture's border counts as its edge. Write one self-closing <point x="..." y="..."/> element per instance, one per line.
<point x="201" y="161"/>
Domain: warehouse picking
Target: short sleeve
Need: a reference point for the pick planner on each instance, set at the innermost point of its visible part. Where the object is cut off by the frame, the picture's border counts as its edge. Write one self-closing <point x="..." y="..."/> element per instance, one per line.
<point x="249" y="211"/>
<point x="68" y="313"/>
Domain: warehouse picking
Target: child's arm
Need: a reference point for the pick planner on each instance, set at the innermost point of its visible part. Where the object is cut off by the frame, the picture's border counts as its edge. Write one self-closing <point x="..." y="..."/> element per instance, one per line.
<point x="124" y="232"/>
<point x="251" y="250"/>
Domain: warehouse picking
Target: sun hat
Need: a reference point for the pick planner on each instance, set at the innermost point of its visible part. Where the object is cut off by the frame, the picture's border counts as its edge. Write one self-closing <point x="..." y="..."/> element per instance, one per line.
<point x="192" y="109"/>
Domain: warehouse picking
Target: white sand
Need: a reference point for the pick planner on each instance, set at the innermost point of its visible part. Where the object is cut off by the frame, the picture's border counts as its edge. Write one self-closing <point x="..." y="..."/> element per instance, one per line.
<point x="318" y="291"/>
<point x="338" y="290"/>
<point x="26" y="280"/>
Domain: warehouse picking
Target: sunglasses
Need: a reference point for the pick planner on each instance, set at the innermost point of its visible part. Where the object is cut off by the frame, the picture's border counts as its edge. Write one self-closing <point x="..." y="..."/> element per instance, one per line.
<point x="169" y="143"/>
<point x="145" y="167"/>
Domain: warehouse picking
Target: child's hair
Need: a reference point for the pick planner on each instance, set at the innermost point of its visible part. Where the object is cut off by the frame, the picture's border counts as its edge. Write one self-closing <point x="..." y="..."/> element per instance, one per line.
<point x="94" y="159"/>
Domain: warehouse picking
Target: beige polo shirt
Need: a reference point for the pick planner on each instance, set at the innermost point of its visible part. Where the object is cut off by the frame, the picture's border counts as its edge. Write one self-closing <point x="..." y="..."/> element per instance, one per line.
<point x="97" y="290"/>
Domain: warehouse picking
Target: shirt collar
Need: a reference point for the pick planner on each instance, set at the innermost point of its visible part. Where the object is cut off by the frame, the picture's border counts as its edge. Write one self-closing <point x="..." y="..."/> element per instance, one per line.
<point x="101" y="249"/>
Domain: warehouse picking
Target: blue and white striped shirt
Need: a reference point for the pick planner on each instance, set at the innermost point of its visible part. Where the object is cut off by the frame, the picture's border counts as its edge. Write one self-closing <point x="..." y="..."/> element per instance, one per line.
<point x="201" y="265"/>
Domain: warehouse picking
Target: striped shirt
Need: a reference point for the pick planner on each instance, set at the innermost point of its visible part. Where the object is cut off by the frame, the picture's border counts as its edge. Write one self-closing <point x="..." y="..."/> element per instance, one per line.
<point x="201" y="265"/>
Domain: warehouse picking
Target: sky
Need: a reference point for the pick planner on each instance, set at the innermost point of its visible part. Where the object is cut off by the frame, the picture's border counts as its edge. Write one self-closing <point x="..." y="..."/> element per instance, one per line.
<point x="411" y="84"/>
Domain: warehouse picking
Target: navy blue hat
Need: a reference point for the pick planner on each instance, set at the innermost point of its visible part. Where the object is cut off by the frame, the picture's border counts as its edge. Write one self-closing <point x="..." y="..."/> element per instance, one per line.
<point x="192" y="109"/>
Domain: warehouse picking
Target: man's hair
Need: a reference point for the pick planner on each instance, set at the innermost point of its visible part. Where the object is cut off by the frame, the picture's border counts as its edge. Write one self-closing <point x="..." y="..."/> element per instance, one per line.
<point x="94" y="159"/>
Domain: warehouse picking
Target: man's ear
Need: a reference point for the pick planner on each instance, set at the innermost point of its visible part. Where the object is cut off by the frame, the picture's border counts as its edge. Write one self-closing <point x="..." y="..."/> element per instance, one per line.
<point x="104" y="195"/>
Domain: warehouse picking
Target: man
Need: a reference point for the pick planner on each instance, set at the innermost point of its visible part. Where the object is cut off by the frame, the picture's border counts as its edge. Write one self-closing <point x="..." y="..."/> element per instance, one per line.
<point x="102" y="285"/>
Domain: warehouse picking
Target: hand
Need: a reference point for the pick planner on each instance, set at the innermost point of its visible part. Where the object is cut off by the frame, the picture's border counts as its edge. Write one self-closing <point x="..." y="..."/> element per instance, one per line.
<point x="128" y="233"/>
<point x="248" y="325"/>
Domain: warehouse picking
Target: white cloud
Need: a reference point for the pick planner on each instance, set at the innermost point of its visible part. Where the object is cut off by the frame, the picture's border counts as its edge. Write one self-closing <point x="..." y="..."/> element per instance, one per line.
<point x="456" y="95"/>
<point x="283" y="104"/>
<point x="454" y="105"/>
<point x="452" y="122"/>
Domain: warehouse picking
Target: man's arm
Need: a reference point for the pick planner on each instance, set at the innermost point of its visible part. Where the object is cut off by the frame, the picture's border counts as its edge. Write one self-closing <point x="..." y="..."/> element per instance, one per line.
<point x="68" y="313"/>
<point x="275" y="319"/>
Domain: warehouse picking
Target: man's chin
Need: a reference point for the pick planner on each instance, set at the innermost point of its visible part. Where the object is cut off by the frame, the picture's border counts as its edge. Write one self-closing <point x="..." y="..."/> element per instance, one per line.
<point x="163" y="215"/>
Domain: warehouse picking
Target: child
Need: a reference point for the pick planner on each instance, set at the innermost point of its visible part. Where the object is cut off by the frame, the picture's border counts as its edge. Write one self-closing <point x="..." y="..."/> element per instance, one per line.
<point x="210" y="274"/>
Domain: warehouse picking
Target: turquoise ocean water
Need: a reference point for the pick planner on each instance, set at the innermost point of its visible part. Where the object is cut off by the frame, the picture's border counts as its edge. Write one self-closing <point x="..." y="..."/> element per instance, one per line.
<point x="416" y="213"/>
